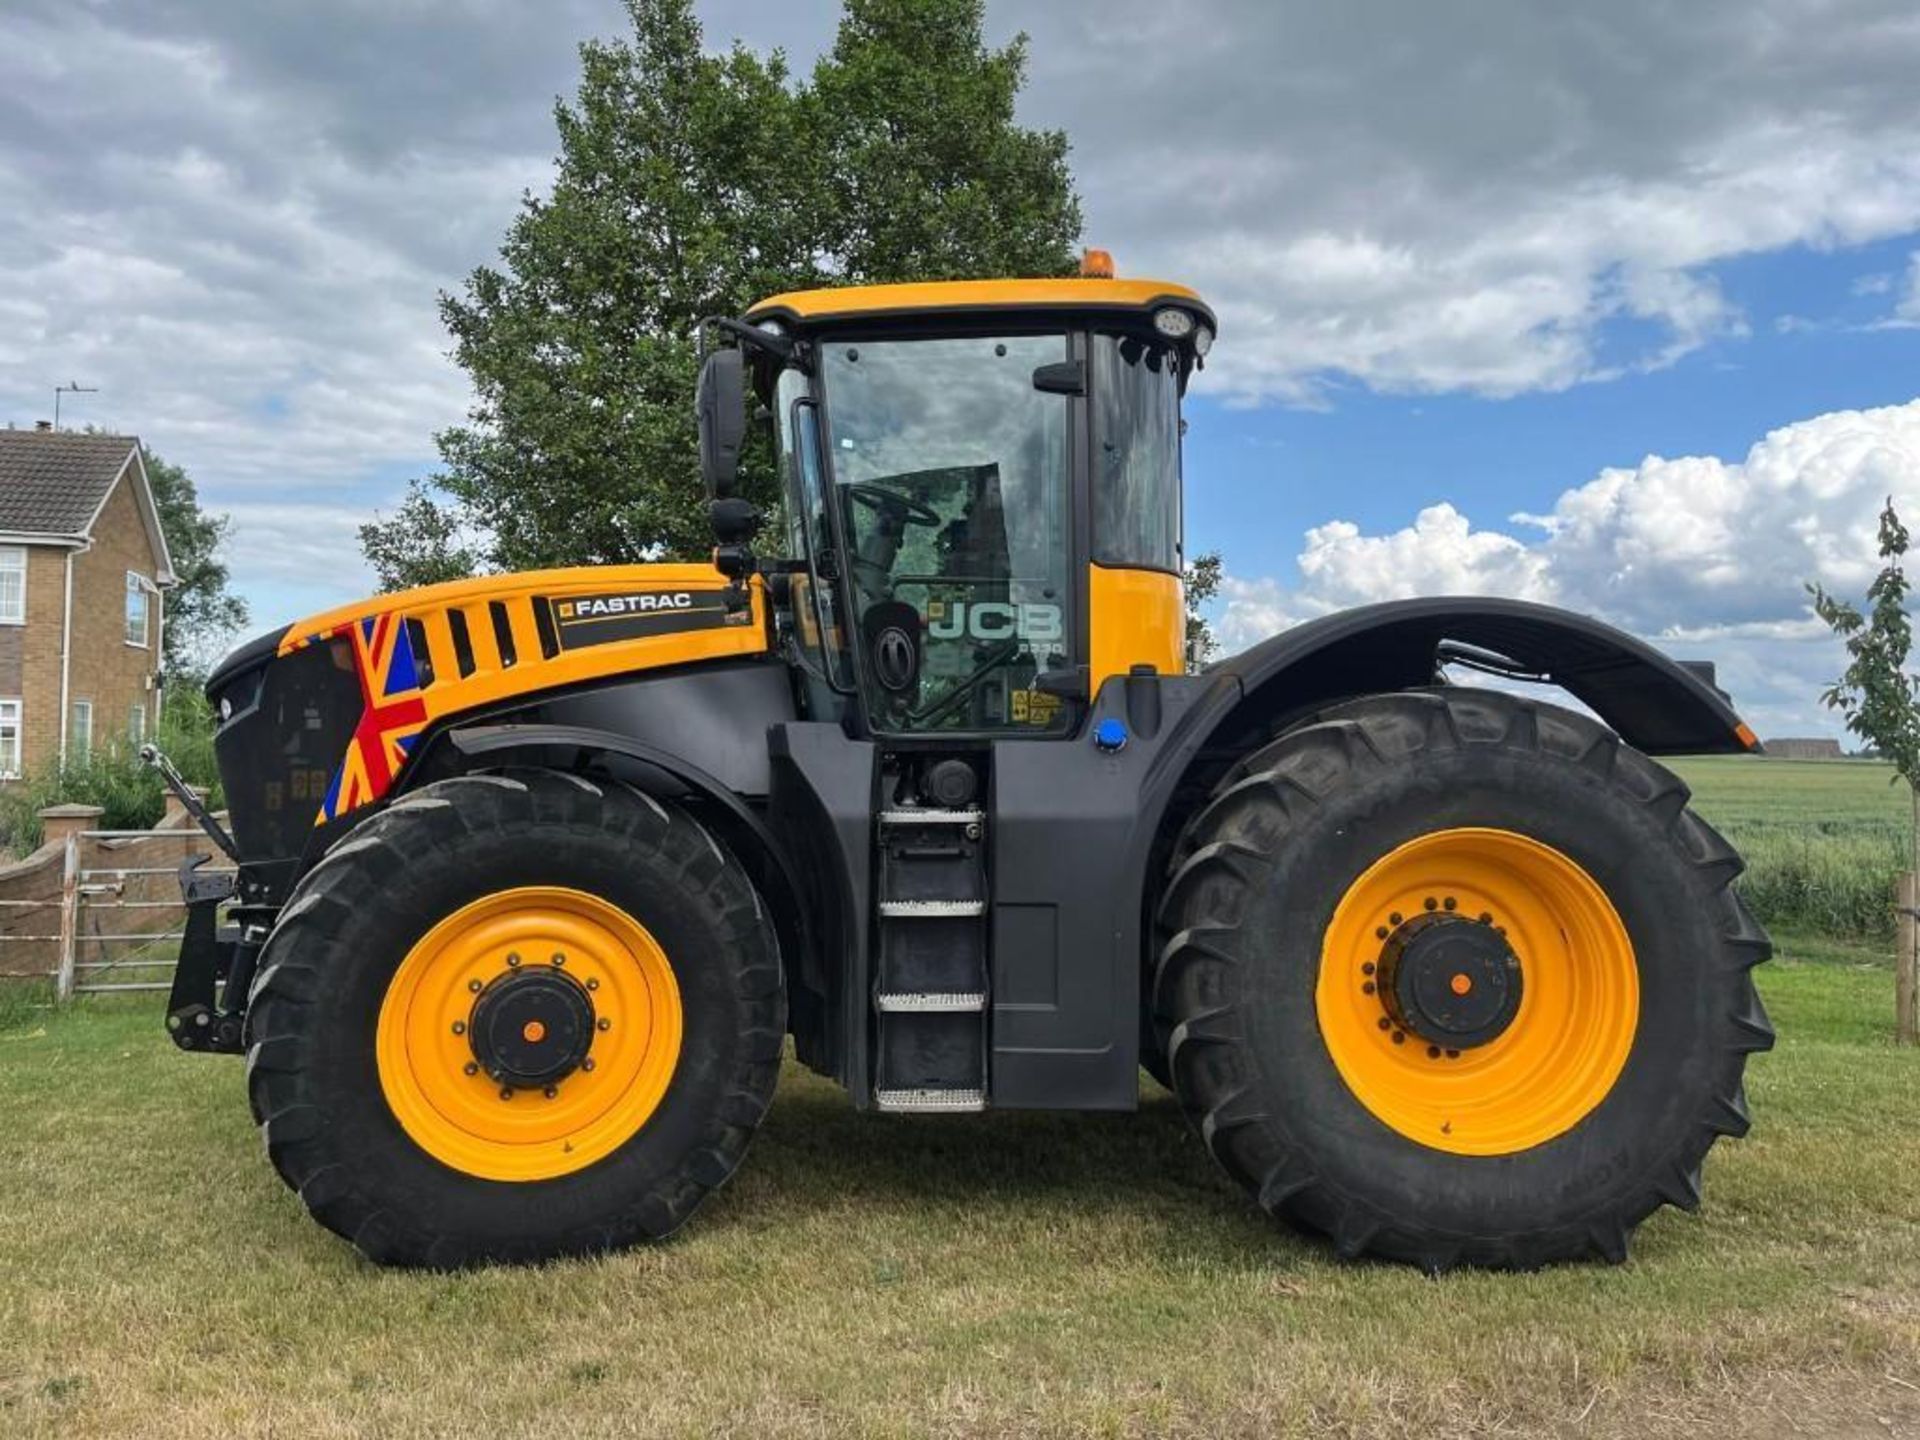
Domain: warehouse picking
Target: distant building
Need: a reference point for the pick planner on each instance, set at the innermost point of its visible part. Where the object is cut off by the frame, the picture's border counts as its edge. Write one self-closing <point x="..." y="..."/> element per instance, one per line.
<point x="83" y="569"/>
<point x="1805" y="749"/>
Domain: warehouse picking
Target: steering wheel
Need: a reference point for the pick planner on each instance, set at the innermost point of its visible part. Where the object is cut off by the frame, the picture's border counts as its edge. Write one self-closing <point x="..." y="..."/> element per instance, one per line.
<point x="893" y="505"/>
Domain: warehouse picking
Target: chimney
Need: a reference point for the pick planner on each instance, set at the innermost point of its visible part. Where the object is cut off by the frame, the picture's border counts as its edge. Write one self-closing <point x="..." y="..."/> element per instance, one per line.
<point x="43" y="424"/>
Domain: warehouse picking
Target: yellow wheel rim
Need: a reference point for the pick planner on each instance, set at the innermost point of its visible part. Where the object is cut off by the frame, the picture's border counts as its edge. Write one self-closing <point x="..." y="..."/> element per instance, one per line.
<point x="1552" y="1060"/>
<point x="430" y="1061"/>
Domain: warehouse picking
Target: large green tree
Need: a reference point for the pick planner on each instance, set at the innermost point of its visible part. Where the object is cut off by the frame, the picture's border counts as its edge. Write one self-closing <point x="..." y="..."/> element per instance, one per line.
<point x="689" y="184"/>
<point x="202" y="613"/>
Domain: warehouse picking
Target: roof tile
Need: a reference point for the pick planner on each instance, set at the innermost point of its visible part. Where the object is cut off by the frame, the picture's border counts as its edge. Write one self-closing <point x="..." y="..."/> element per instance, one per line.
<point x="52" y="482"/>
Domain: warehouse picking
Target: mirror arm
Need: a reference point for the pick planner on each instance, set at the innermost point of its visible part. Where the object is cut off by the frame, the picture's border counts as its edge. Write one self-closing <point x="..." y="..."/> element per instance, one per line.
<point x="781" y="347"/>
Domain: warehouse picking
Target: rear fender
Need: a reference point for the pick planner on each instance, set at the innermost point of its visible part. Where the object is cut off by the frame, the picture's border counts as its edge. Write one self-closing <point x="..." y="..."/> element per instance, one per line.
<point x="1657" y="705"/>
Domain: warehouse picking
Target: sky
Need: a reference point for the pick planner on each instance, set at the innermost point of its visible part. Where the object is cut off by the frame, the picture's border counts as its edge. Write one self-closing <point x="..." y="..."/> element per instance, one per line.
<point x="1616" y="306"/>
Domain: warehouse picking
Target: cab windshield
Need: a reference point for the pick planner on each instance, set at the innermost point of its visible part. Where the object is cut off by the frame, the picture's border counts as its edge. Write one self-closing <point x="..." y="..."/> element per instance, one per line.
<point x="950" y="469"/>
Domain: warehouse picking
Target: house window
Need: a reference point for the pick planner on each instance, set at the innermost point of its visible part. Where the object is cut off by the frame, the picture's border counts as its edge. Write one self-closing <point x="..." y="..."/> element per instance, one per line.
<point x="137" y="722"/>
<point x="9" y="739"/>
<point x="136" y="609"/>
<point x="80" y="732"/>
<point x="13" y="585"/>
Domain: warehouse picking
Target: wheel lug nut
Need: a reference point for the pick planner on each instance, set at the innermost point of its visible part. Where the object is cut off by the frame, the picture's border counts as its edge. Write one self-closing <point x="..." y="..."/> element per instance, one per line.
<point x="1399" y="1037"/>
<point x="1433" y="1052"/>
<point x="474" y="986"/>
<point x="1451" y="903"/>
<point x="603" y="1023"/>
<point x="1381" y="933"/>
<point x="1367" y="969"/>
<point x="1385" y="1023"/>
<point x="470" y="1068"/>
<point x="506" y="1092"/>
<point x="559" y="958"/>
<point x="459" y="1027"/>
<point x="1431" y="903"/>
<point x="1367" y="989"/>
<point x="1486" y="918"/>
<point x="593" y="984"/>
<point x="1394" y="918"/>
<point x="513" y="960"/>
<point x="587" y="1064"/>
<point x="1453" y="1054"/>
<point x="551" y="1091"/>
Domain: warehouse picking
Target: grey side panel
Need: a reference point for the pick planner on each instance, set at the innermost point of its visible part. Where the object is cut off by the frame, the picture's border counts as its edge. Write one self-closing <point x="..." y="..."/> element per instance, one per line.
<point x="714" y="718"/>
<point x="1067" y="832"/>
<point x="824" y="794"/>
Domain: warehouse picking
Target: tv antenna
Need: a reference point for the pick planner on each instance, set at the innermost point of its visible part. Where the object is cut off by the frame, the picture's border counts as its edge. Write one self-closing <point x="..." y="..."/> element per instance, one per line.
<point x="72" y="387"/>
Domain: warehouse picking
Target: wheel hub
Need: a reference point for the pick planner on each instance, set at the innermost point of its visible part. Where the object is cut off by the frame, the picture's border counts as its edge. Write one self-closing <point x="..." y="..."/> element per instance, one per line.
<point x="1449" y="980"/>
<point x="530" y="1029"/>
<point x="1420" y="999"/>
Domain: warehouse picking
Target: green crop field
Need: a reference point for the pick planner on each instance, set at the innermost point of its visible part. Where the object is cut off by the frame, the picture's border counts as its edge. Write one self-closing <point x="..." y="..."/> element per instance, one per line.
<point x="1823" y="839"/>
<point x="996" y="1275"/>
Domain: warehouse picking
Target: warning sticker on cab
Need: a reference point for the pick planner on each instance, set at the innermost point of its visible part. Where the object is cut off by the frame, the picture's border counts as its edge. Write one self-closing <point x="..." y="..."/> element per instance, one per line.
<point x="583" y="620"/>
<point x="1034" y="707"/>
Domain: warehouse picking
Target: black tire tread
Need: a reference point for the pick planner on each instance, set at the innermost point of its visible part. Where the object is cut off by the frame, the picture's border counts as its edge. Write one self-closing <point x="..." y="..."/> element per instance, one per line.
<point x="291" y="978"/>
<point x="1256" y="802"/>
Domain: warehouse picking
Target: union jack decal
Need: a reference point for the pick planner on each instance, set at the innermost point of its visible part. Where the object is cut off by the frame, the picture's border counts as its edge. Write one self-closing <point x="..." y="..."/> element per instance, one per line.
<point x="392" y="716"/>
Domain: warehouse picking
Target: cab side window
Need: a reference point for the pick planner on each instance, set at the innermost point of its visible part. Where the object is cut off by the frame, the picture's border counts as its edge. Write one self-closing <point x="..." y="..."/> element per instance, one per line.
<point x="1136" y="469"/>
<point x="811" y="612"/>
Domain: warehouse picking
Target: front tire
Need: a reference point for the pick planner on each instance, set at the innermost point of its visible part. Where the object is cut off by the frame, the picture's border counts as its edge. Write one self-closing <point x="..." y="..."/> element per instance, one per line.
<point x="1457" y="978"/>
<point x="515" y="1017"/>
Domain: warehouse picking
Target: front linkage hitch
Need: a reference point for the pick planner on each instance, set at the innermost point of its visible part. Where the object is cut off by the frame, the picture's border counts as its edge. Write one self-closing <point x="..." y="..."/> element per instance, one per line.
<point x="207" y="1007"/>
<point x="212" y="959"/>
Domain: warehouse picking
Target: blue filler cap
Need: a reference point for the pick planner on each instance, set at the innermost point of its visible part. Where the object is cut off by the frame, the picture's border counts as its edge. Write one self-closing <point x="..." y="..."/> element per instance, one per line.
<point x="1110" y="734"/>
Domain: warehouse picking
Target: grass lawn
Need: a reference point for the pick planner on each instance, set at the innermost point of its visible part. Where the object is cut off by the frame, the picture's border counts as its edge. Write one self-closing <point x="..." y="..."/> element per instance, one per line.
<point x="997" y="1275"/>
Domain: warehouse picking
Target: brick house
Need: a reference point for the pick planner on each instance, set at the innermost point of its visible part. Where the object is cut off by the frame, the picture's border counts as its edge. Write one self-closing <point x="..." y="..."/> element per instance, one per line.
<point x="83" y="572"/>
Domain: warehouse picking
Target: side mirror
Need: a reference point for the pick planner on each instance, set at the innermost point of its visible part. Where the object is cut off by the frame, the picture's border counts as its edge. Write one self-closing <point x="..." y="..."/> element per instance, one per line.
<point x="1063" y="377"/>
<point x="720" y="402"/>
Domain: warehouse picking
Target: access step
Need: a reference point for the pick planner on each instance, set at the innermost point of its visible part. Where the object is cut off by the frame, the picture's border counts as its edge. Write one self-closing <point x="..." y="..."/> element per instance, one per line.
<point x="932" y="817"/>
<point x="946" y="1002"/>
<point x="930" y="983"/>
<point x="931" y="909"/>
<point x="920" y="1102"/>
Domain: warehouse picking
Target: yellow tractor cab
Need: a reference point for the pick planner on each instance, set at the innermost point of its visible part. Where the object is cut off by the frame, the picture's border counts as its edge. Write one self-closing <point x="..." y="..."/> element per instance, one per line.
<point x="1006" y="455"/>
<point x="538" y="874"/>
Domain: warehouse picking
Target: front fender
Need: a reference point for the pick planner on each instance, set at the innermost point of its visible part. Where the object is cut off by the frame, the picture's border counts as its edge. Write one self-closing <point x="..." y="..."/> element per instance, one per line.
<point x="664" y="775"/>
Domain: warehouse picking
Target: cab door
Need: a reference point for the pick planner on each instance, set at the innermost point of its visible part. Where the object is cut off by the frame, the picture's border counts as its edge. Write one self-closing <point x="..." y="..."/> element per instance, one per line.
<point x="951" y="473"/>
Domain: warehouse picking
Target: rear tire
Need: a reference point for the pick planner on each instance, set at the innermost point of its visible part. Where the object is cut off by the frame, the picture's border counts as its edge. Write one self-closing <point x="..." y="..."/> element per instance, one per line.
<point x="321" y="1072"/>
<point x="1246" y="964"/>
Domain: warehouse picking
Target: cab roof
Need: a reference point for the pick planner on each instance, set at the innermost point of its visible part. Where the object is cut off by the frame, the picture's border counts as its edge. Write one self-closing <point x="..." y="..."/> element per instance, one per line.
<point x="1075" y="293"/>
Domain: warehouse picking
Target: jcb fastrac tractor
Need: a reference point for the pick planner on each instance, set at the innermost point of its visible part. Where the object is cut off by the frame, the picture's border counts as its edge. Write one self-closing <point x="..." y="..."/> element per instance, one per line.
<point x="538" y="873"/>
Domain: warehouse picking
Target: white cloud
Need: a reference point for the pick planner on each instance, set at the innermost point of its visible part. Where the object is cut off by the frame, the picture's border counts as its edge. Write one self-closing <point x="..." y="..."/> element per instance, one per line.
<point x="1522" y="302"/>
<point x="296" y="543"/>
<point x="1473" y="203"/>
<point x="1709" y="557"/>
<point x="235" y="222"/>
<point x="1440" y="553"/>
